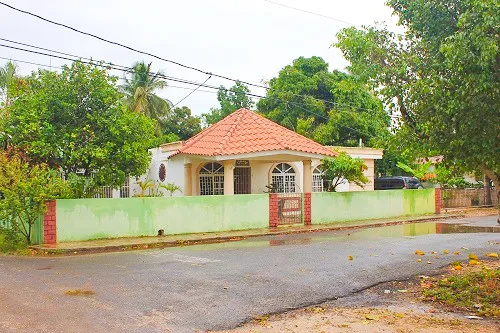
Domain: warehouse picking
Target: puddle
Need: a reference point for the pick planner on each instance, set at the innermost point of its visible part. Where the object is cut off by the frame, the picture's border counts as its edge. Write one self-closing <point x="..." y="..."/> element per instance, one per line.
<point x="393" y="231"/>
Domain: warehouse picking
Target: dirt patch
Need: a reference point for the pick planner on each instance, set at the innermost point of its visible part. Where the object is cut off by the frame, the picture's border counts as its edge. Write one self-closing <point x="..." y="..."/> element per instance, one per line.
<point x="398" y="306"/>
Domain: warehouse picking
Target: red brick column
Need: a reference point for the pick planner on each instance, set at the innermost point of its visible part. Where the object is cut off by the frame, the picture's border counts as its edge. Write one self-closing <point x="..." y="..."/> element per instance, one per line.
<point x="437" y="198"/>
<point x="273" y="210"/>
<point x="307" y="209"/>
<point x="49" y="223"/>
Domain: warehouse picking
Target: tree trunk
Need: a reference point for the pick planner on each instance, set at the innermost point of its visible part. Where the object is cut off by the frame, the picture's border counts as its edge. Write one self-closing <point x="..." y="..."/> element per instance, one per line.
<point x="495" y="177"/>
<point x="487" y="191"/>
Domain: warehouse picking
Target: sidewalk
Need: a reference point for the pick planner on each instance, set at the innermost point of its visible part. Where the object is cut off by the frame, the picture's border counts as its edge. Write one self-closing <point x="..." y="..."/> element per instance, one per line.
<point x="148" y="242"/>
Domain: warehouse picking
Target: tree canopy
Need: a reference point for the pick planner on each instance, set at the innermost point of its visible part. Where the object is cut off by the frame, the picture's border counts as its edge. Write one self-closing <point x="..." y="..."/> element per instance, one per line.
<point x="140" y="87"/>
<point x="441" y="76"/>
<point x="230" y="100"/>
<point x="75" y="120"/>
<point x="329" y="107"/>
<point x="182" y="124"/>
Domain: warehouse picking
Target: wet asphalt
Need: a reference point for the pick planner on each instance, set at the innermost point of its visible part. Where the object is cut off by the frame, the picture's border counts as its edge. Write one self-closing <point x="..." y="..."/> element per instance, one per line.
<point x="219" y="286"/>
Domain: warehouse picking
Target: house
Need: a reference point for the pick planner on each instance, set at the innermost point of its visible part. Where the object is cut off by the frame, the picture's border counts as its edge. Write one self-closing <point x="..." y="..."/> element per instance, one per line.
<point x="246" y="153"/>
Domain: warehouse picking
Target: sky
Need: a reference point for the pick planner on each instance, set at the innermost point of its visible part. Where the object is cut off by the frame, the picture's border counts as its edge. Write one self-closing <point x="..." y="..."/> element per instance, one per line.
<point x="248" y="40"/>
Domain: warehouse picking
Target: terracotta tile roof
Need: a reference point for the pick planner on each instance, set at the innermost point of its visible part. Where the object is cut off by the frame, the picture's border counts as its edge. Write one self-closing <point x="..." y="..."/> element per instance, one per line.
<point x="243" y="132"/>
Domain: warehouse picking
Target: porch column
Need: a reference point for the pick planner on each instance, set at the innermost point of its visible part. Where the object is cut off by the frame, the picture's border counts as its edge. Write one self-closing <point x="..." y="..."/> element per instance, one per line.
<point x="307" y="176"/>
<point x="228" y="177"/>
<point x="188" y="179"/>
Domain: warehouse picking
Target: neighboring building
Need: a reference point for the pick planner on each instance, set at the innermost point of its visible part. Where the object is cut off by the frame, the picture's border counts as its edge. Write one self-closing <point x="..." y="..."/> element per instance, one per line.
<point x="245" y="153"/>
<point x="368" y="155"/>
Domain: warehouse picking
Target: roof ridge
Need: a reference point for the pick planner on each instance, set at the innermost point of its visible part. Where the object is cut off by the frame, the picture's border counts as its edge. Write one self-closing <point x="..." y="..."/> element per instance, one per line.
<point x="231" y="129"/>
<point x="202" y="134"/>
<point x="269" y="132"/>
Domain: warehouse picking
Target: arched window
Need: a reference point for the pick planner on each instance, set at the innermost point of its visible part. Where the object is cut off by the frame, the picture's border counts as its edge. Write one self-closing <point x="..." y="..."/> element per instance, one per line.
<point x="317" y="185"/>
<point x="212" y="179"/>
<point x="283" y="178"/>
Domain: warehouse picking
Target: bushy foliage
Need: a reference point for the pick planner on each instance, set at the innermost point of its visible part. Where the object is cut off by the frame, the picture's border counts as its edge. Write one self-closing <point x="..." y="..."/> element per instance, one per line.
<point x="343" y="168"/>
<point x="25" y="188"/>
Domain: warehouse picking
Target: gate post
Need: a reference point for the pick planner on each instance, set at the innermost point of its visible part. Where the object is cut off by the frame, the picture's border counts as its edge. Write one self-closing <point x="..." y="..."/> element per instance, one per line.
<point x="50" y="223"/>
<point x="273" y="210"/>
<point x="437" y="199"/>
<point x="307" y="209"/>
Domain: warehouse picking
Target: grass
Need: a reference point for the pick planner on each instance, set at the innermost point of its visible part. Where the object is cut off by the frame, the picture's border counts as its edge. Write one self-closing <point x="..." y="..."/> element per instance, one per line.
<point x="476" y="291"/>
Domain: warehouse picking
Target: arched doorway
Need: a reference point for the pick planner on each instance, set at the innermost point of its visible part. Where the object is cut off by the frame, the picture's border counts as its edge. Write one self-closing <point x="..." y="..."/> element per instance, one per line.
<point x="212" y="179"/>
<point x="283" y="178"/>
<point x="318" y="181"/>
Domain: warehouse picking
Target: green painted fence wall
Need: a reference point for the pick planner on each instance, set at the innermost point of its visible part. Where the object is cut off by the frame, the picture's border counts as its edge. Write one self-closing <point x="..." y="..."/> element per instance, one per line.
<point x="84" y="219"/>
<point x="348" y="206"/>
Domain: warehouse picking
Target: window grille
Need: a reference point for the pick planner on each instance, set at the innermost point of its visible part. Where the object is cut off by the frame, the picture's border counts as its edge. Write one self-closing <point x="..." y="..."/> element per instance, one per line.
<point x="125" y="189"/>
<point x="212" y="179"/>
<point x="317" y="185"/>
<point x="283" y="178"/>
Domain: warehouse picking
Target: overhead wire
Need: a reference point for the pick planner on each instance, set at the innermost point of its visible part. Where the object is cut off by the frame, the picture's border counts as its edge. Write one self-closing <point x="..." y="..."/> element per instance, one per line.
<point x="312" y="13"/>
<point x="332" y="103"/>
<point x="128" y="47"/>
<point x="129" y="69"/>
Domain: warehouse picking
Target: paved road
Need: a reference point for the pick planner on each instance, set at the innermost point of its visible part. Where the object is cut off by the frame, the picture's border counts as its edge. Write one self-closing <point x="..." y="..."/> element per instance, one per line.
<point x="219" y="286"/>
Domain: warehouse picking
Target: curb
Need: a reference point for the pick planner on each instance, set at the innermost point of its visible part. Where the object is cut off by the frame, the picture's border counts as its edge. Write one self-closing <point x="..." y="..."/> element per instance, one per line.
<point x="223" y="239"/>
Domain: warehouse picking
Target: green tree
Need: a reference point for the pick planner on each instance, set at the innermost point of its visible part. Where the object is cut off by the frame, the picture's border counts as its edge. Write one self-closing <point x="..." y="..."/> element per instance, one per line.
<point x="25" y="188"/>
<point x="343" y="168"/>
<point x="230" y="100"/>
<point x="7" y="77"/>
<point x="329" y="107"/>
<point x="182" y="124"/>
<point x="441" y="76"/>
<point x="75" y="121"/>
<point x="140" y="87"/>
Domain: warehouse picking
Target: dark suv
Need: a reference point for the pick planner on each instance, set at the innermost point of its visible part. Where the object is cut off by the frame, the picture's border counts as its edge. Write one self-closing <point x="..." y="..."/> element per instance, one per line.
<point x="397" y="182"/>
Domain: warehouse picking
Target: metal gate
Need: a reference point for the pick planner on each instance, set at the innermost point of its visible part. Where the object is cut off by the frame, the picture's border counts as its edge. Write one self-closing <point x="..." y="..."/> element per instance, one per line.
<point x="290" y="208"/>
<point x="242" y="180"/>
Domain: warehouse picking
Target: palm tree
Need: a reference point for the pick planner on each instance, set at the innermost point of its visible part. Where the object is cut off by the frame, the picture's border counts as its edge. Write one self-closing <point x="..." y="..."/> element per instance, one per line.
<point x="139" y="89"/>
<point x="7" y="76"/>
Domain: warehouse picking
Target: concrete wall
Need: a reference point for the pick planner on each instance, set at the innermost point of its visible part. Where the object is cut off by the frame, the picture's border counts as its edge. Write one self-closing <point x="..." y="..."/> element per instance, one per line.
<point x="84" y="219"/>
<point x="349" y="206"/>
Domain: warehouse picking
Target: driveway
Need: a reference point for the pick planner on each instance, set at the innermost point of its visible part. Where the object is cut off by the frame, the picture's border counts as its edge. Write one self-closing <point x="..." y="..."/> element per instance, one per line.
<point x="219" y="286"/>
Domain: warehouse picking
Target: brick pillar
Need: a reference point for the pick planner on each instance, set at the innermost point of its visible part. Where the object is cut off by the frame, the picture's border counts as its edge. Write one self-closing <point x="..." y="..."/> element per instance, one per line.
<point x="307" y="209"/>
<point x="273" y="210"/>
<point x="437" y="198"/>
<point x="49" y="223"/>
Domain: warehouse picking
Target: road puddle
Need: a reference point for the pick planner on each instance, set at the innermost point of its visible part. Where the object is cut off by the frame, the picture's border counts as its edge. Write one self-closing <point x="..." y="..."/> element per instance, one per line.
<point x="392" y="231"/>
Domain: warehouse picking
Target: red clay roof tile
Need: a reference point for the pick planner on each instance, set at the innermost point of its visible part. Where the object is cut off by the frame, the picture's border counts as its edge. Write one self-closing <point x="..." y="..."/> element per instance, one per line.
<point x="243" y="132"/>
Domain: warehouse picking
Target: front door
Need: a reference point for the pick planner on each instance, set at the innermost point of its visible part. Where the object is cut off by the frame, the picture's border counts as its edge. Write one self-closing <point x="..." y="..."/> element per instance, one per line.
<point x="242" y="180"/>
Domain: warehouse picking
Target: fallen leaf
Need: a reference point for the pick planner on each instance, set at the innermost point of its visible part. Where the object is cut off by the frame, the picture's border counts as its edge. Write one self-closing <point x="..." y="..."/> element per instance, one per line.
<point x="402" y="291"/>
<point x="474" y="262"/>
<point x="446" y="251"/>
<point x="429" y="262"/>
<point x="492" y="255"/>
<point x="457" y="268"/>
<point x="472" y="256"/>
<point x="456" y="253"/>
<point x="420" y="253"/>
<point x="464" y="248"/>
<point x="419" y="260"/>
<point x="371" y="317"/>
<point x="350" y="257"/>
<point x="433" y="252"/>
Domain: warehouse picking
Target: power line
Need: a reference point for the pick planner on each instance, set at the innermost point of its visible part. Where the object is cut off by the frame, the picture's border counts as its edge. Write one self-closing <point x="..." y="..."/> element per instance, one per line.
<point x="128" y="69"/>
<point x="335" y="104"/>
<point x="208" y="78"/>
<point x="129" y="47"/>
<point x="312" y="13"/>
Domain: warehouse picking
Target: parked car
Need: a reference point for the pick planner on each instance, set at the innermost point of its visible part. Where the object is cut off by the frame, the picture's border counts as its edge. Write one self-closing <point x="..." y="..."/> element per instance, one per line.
<point x="397" y="182"/>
